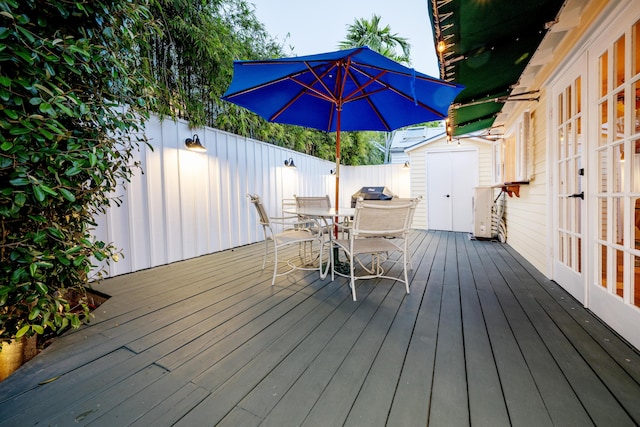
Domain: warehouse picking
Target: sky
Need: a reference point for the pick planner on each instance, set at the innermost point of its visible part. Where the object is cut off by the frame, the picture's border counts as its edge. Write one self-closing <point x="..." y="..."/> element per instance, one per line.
<point x="317" y="27"/>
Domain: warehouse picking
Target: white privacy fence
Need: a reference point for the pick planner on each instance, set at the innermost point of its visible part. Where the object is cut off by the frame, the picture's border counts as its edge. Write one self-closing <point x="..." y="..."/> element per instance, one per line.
<point x="186" y="204"/>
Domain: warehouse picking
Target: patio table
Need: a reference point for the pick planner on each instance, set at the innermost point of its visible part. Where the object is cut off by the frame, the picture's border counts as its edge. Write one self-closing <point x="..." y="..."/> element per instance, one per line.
<point x="326" y="214"/>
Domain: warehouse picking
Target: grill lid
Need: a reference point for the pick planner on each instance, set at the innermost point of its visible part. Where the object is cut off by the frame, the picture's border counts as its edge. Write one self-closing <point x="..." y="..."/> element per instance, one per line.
<point x="372" y="193"/>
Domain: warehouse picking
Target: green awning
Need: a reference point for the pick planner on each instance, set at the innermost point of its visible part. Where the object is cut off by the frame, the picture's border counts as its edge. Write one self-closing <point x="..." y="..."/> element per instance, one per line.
<point x="487" y="45"/>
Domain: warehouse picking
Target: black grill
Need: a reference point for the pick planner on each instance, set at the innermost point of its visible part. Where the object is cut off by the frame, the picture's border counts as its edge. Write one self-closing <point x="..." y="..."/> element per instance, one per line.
<point x="372" y="193"/>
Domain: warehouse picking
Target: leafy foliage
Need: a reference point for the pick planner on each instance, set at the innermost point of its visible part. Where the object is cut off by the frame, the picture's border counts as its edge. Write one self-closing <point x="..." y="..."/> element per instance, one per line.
<point x="73" y="95"/>
<point x="378" y="38"/>
<point x="192" y="61"/>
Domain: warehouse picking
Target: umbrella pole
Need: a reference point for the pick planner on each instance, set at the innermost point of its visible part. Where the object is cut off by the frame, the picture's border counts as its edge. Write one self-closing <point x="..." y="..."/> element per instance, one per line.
<point x="337" y="265"/>
<point x="335" y="230"/>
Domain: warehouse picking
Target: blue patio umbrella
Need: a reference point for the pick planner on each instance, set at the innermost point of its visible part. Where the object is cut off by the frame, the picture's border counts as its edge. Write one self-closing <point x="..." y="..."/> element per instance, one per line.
<point x="352" y="90"/>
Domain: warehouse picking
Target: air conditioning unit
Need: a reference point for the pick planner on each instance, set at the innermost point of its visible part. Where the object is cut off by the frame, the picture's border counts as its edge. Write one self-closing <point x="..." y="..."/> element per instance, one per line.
<point x="482" y="216"/>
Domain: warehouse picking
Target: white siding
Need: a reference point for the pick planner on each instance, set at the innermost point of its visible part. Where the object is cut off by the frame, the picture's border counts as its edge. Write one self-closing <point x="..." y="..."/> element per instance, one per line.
<point x="526" y="216"/>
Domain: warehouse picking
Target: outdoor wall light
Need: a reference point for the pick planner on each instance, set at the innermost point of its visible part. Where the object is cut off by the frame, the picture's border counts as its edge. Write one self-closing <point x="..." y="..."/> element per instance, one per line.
<point x="194" y="144"/>
<point x="289" y="163"/>
<point x="407" y="165"/>
<point x="332" y="171"/>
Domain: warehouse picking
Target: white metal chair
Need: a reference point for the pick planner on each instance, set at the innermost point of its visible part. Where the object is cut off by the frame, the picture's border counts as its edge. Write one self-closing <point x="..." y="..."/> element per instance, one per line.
<point x="292" y="220"/>
<point x="323" y="202"/>
<point x="401" y="200"/>
<point x="287" y="237"/>
<point x="378" y="229"/>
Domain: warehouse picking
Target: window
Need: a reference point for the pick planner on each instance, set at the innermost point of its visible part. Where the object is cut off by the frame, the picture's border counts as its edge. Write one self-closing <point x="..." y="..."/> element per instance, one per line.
<point x="518" y="150"/>
<point x="498" y="163"/>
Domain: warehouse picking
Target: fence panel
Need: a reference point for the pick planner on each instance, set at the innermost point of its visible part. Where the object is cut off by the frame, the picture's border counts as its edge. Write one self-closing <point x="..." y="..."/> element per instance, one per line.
<point x="187" y="204"/>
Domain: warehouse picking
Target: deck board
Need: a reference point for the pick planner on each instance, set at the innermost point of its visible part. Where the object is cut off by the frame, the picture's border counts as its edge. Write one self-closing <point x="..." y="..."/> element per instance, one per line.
<point x="449" y="389"/>
<point x="487" y="406"/>
<point x="483" y="339"/>
<point x="589" y="368"/>
<point x="560" y="401"/>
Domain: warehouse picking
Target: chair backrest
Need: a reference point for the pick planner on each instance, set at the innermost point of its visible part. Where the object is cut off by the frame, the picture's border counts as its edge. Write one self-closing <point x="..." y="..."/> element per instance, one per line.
<point x="288" y="204"/>
<point x="313" y="202"/>
<point x="263" y="217"/>
<point x="383" y="219"/>
<point x="399" y="200"/>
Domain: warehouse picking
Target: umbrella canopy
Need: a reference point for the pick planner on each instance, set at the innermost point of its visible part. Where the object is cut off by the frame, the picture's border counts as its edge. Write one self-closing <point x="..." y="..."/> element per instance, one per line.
<point x="352" y="90"/>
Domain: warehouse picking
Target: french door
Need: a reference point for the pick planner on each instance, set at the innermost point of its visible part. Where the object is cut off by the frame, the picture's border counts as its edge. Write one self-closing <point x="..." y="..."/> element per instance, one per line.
<point x="614" y="289"/>
<point x="567" y="177"/>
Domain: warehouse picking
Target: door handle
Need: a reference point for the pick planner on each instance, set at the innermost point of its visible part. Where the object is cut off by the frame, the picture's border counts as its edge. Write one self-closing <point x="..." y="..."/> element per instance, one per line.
<point x="577" y="195"/>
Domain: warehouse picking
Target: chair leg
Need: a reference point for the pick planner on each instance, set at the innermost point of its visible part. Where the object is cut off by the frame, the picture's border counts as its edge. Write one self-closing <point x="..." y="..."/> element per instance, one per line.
<point x="275" y="264"/>
<point x="332" y="261"/>
<point x="323" y="274"/>
<point x="352" y="274"/>
<point x="406" y="277"/>
<point x="266" y="252"/>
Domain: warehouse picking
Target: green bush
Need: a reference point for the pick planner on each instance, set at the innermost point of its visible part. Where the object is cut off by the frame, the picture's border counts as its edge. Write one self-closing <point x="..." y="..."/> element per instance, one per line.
<point x="74" y="99"/>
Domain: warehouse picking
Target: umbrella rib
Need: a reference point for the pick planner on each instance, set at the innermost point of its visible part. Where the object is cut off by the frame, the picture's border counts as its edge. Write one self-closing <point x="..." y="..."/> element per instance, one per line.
<point x="401" y="73"/>
<point x="394" y="90"/>
<point x="319" y="79"/>
<point x="287" y="105"/>
<point x="366" y="95"/>
<point x="311" y="90"/>
<point x="361" y="87"/>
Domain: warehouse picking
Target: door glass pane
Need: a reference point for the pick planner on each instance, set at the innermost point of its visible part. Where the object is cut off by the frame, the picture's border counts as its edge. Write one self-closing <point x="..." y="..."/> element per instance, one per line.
<point x="561" y="218"/>
<point x="561" y="144"/>
<point x="635" y="90"/>
<point x="604" y="73"/>
<point x="569" y="135"/>
<point x="560" y="109"/>
<point x="579" y="255"/>
<point x="618" y="220"/>
<point x="578" y="95"/>
<point x="618" y="62"/>
<point x="569" y="101"/>
<point x="569" y="251"/>
<point x="602" y="218"/>
<point x="636" y="281"/>
<point x="579" y="136"/>
<point x="635" y="166"/>
<point x="562" y="184"/>
<point x="603" y="266"/>
<point x="619" y="273"/>
<point x="636" y="221"/>
<point x="618" y="168"/>
<point x="619" y="115"/>
<point x="602" y="170"/>
<point x="635" y="60"/>
<point x="604" y="122"/>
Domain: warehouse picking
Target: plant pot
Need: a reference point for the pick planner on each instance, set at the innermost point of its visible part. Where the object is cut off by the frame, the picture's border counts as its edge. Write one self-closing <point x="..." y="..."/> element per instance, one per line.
<point x="14" y="353"/>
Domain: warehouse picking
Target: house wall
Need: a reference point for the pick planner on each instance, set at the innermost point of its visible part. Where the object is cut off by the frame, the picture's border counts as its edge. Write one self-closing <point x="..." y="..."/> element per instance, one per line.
<point x="417" y="157"/>
<point x="187" y="204"/>
<point x="602" y="273"/>
<point x="527" y="216"/>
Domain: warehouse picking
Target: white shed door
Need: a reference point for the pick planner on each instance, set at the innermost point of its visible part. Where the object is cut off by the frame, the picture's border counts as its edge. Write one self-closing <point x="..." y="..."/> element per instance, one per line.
<point x="451" y="178"/>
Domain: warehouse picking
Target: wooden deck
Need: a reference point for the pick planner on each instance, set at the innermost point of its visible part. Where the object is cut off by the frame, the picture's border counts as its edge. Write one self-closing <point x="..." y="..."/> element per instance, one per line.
<point x="483" y="339"/>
